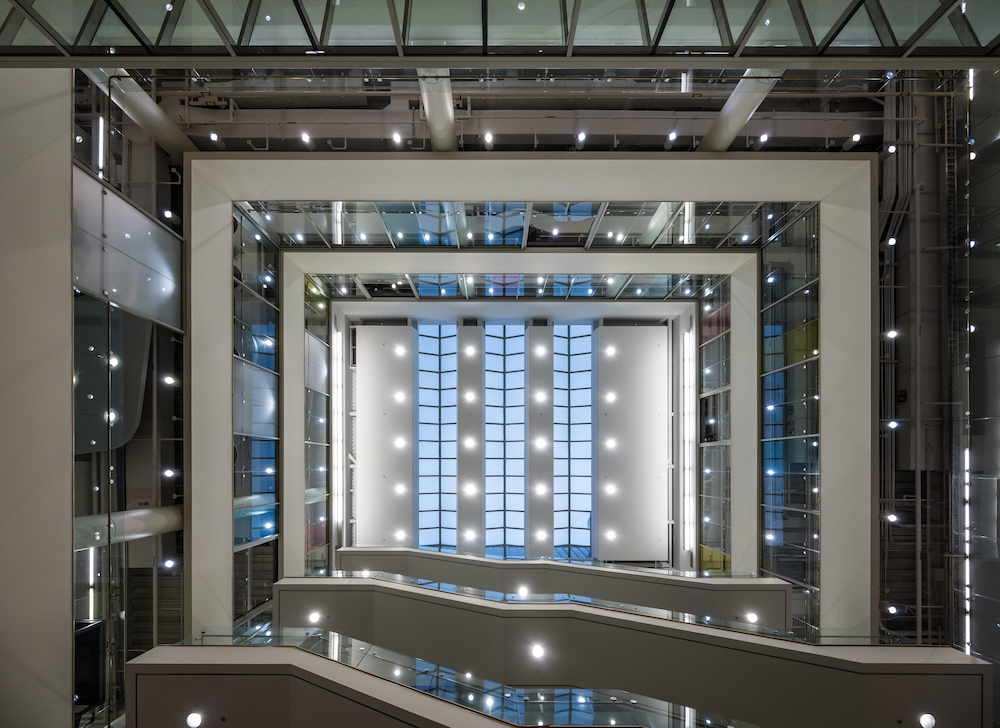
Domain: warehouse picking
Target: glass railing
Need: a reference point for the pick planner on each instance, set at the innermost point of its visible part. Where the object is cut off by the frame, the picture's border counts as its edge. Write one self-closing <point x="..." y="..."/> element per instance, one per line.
<point x="799" y="633"/>
<point x="548" y="706"/>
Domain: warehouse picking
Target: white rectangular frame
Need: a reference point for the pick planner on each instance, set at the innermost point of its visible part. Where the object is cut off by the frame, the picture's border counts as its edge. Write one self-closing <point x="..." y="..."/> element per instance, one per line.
<point x="844" y="185"/>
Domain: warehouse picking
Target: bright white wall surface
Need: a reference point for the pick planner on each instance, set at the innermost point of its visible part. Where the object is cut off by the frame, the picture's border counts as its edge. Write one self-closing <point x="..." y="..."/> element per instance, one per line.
<point x="36" y="432"/>
<point x="538" y="443"/>
<point x="842" y="184"/>
<point x="384" y="446"/>
<point x="470" y="424"/>
<point x="634" y="447"/>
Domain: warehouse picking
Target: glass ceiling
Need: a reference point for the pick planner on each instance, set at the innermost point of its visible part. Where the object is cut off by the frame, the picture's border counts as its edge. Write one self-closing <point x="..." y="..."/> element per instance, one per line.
<point x="584" y="225"/>
<point x="517" y="287"/>
<point x="892" y="28"/>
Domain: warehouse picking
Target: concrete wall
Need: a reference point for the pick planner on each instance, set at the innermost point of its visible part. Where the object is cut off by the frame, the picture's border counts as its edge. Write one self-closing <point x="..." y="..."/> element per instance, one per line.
<point x="386" y="451"/>
<point x="769" y="682"/>
<point x="634" y="448"/>
<point x="36" y="397"/>
<point x="470" y="424"/>
<point x="538" y="442"/>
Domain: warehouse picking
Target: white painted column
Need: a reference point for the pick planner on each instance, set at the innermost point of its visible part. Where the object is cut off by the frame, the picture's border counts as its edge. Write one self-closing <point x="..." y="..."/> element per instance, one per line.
<point x="848" y="386"/>
<point x="538" y="442"/>
<point x="634" y="448"/>
<point x="385" y="493"/>
<point x="745" y="414"/>
<point x="470" y="424"/>
<point x="208" y="498"/>
<point x="292" y="432"/>
<point x="36" y="435"/>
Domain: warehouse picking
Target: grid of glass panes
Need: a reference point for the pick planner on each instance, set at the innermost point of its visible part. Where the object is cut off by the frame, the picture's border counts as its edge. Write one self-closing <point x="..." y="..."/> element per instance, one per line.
<point x="572" y="445"/>
<point x="790" y="394"/>
<point x="437" y="459"/>
<point x="715" y="542"/>
<point x="317" y="491"/>
<point x="255" y="411"/>
<point x="505" y="431"/>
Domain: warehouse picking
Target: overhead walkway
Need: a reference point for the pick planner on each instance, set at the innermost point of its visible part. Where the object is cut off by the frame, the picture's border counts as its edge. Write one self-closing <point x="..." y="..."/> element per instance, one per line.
<point x="728" y="667"/>
<point x="722" y="598"/>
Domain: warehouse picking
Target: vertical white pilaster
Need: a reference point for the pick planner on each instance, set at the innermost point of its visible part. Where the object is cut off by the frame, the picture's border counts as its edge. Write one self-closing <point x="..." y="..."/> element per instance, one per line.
<point x="291" y="444"/>
<point x="470" y="424"/>
<point x="36" y="433"/>
<point x="538" y="442"/>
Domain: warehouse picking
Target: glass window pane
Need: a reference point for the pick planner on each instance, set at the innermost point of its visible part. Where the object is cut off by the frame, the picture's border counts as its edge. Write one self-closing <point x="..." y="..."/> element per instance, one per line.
<point x="777" y="28"/>
<point x="539" y="23"/>
<point x="439" y="23"/>
<point x="359" y="22"/>
<point x="692" y="23"/>
<point x="278" y="23"/>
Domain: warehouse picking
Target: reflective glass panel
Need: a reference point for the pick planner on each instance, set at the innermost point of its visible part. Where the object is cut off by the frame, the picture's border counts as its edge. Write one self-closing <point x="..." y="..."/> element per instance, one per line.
<point x="441" y="23"/>
<point x="531" y="23"/>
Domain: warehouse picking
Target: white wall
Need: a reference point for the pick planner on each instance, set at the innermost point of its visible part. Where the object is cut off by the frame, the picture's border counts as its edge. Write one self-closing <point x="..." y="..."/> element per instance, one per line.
<point x="638" y="374"/>
<point x="538" y="442"/>
<point x="36" y="397"/>
<point x="382" y="373"/>
<point x="470" y="424"/>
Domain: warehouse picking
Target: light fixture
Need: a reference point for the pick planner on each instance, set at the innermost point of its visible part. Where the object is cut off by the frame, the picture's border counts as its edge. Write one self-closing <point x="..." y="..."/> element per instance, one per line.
<point x="972" y="156"/>
<point x="892" y="334"/>
<point x="769" y="537"/>
<point x="470" y="534"/>
<point x="427" y="237"/>
<point x="752" y="618"/>
<point x="470" y="489"/>
<point x="581" y="137"/>
<point x="468" y="236"/>
<point x="610" y="351"/>
<point x="400" y="442"/>
<point x="539" y="396"/>
<point x="611" y="281"/>
<point x="763" y="138"/>
<point x="611" y="535"/>
<point x="399" y="396"/>
<point x="890" y="242"/>
<point x="672" y="136"/>
<point x="470" y="350"/>
<point x="213" y="136"/>
<point x="892" y="149"/>
<point x="540" y="489"/>
<point x="400" y="489"/>
<point x="167" y="214"/>
<point x="927" y="721"/>
<point x="539" y="350"/>
<point x="522" y="592"/>
<point x="770" y="279"/>
<point x="469" y="442"/>
<point x="470" y="396"/>
<point x="891" y="610"/>
<point x="169" y="563"/>
<point x="396" y="138"/>
<point x="305" y="137"/>
<point x="488" y="142"/>
<point x="400" y="535"/>
<point x="892" y="425"/>
<point x="267" y="216"/>
<point x="193" y="720"/>
<point x="892" y="518"/>
<point x="468" y="279"/>
<point x="314" y="617"/>
<point x="363" y="236"/>
<point x="610" y="396"/>
<point x="611" y="489"/>
<point x="168" y="473"/>
<point x="399" y="236"/>
<point x="269" y="525"/>
<point x="490" y="236"/>
<point x="611" y="444"/>
<point x="555" y="232"/>
<point x="849" y="144"/>
<point x="400" y="351"/>
<point x="488" y="137"/>
<point x="396" y="672"/>
<point x="537" y="651"/>
<point x="540" y="443"/>
<point x="540" y="535"/>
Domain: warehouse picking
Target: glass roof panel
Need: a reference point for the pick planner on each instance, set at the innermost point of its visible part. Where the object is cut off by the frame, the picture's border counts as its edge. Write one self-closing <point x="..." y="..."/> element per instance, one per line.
<point x="906" y="16"/>
<point x="66" y="17"/>
<point x="194" y="29"/>
<point x="28" y="34"/>
<point x="494" y="223"/>
<point x="113" y="32"/>
<point x="149" y="16"/>
<point x="385" y="285"/>
<point x="739" y="13"/>
<point x="339" y="286"/>
<point x="278" y="24"/>
<point x="610" y="23"/>
<point x="437" y="286"/>
<point x="232" y="14"/>
<point x="359" y="22"/>
<point x="984" y="19"/>
<point x="561" y="223"/>
<point x="315" y="11"/>
<point x="943" y="36"/>
<point x="777" y="28"/>
<point x="822" y="14"/>
<point x="858" y="33"/>
<point x="441" y="22"/>
<point x="539" y="23"/>
<point x="692" y="23"/>
<point x="632" y="223"/>
<point x="419" y="223"/>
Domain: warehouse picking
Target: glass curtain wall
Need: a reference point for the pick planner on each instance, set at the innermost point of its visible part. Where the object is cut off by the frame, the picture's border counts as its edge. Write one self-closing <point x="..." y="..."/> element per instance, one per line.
<point x="790" y="394"/>
<point x="715" y="546"/>
<point x="317" y="397"/>
<point x="572" y="451"/>
<point x="129" y="454"/>
<point x="255" y="415"/>
<point x="437" y="459"/>
<point x="505" y="432"/>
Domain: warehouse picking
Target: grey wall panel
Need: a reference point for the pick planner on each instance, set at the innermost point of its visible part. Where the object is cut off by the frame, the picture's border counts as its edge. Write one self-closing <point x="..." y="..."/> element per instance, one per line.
<point x="317" y="364"/>
<point x="538" y="445"/>
<point x="470" y="424"/>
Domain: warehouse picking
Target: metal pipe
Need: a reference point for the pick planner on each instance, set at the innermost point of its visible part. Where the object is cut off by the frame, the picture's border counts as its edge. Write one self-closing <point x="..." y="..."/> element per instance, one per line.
<point x="439" y="106"/>
<point x="105" y="528"/>
<point x="918" y="414"/>
<point x="746" y="98"/>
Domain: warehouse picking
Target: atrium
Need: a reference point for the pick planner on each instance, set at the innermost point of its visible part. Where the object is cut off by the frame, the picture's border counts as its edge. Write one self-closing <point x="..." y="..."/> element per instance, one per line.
<point x="555" y="362"/>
